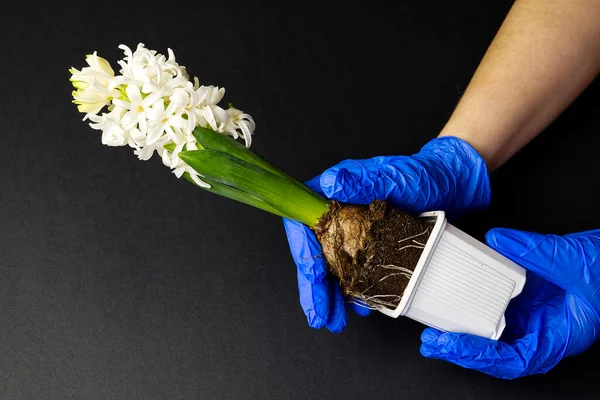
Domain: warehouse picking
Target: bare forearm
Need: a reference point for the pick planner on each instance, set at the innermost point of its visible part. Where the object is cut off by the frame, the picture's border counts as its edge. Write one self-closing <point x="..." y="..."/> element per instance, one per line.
<point x="544" y="55"/>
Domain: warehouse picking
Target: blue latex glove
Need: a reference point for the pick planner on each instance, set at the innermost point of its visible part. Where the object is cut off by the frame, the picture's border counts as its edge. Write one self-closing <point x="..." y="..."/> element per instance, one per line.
<point x="556" y="316"/>
<point x="447" y="174"/>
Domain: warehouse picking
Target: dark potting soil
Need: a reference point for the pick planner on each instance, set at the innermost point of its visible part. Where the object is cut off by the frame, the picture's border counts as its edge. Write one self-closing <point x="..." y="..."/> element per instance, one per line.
<point x="372" y="250"/>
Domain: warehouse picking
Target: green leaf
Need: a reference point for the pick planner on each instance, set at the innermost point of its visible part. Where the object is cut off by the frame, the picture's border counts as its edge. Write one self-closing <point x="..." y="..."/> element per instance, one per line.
<point x="170" y="146"/>
<point x="212" y="140"/>
<point x="235" y="194"/>
<point x="280" y="192"/>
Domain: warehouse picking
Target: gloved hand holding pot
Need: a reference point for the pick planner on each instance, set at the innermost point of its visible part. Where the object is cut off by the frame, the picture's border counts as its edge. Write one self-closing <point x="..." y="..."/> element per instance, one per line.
<point x="384" y="259"/>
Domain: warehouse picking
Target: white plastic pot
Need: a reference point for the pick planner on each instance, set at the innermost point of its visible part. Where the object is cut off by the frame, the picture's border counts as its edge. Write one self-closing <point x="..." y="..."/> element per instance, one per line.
<point x="460" y="284"/>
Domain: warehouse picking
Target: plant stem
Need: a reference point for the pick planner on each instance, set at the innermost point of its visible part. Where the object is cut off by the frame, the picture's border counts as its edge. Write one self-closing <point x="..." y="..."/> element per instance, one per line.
<point x="212" y="140"/>
<point x="235" y="194"/>
<point x="280" y="192"/>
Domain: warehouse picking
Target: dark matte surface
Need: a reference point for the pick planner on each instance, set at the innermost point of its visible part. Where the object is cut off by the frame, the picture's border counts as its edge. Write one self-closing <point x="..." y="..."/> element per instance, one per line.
<point x="117" y="281"/>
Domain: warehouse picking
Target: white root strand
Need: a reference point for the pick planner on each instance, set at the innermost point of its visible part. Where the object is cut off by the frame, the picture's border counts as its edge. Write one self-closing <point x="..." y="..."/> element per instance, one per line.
<point x="385" y="303"/>
<point x="395" y="274"/>
<point x="395" y="267"/>
<point x="414" y="236"/>
<point x="408" y="246"/>
<point x="377" y="296"/>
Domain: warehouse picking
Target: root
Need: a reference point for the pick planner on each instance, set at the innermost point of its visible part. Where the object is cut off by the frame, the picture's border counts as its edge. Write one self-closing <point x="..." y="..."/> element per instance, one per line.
<point x="411" y="246"/>
<point x="377" y="296"/>
<point x="395" y="274"/>
<point x="377" y="299"/>
<point x="395" y="267"/>
<point x="373" y="302"/>
<point x="356" y="300"/>
<point x="414" y="236"/>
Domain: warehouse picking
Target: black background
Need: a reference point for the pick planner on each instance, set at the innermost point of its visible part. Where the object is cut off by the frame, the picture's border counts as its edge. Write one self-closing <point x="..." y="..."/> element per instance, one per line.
<point x="118" y="281"/>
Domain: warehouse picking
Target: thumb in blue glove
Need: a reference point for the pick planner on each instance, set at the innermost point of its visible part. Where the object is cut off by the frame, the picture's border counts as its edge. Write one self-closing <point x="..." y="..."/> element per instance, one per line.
<point x="556" y="316"/>
<point x="447" y="174"/>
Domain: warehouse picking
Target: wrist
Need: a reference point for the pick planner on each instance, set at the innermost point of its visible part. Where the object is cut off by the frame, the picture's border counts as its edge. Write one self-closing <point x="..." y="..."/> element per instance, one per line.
<point x="483" y="145"/>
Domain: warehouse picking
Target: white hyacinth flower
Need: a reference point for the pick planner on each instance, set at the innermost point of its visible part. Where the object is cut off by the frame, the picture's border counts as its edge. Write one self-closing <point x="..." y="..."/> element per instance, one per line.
<point x="91" y="82"/>
<point x="164" y="120"/>
<point x="239" y="120"/>
<point x="153" y="106"/>
<point x="110" y="125"/>
<point x="137" y="108"/>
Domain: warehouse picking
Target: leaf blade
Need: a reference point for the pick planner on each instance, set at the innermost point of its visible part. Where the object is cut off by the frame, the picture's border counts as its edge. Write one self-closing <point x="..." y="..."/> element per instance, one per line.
<point x="282" y="193"/>
<point x="235" y="194"/>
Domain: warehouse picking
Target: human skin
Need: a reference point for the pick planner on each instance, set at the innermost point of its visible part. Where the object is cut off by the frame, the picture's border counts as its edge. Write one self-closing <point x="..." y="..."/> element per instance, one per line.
<point x="543" y="56"/>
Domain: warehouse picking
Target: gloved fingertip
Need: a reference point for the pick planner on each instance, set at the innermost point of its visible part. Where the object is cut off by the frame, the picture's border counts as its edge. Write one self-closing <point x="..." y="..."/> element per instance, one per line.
<point x="337" y="326"/>
<point x="439" y="344"/>
<point x="314" y="321"/>
<point x="429" y="351"/>
<point x="331" y="184"/>
<point x="315" y="301"/>
<point x="338" y="317"/>
<point x="507" y="241"/>
<point x="359" y="310"/>
<point x="491" y="237"/>
<point x="342" y="185"/>
<point x="429" y="346"/>
<point x="315" y="184"/>
<point x="430" y="335"/>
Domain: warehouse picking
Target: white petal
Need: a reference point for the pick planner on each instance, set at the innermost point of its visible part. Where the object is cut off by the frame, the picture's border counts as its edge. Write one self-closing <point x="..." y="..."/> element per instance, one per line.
<point x="198" y="181"/>
<point x="151" y="99"/>
<point x="179" y="97"/>
<point x="171" y="134"/>
<point x="122" y="104"/>
<point x="166" y="158"/>
<point x="134" y="95"/>
<point x="179" y="172"/>
<point x="192" y="146"/>
<point x="202" y="93"/>
<point x="129" y="120"/>
<point x="99" y="120"/>
<point x="157" y="111"/>
<point x="142" y="122"/>
<point x="155" y="133"/>
<point x="214" y="95"/>
<point x="177" y="122"/>
<point x="221" y="115"/>
<point x="137" y="135"/>
<point x="209" y="117"/>
<point x="145" y="153"/>
<point x="127" y="51"/>
<point x="113" y="138"/>
<point x="246" y="132"/>
<point x="191" y="121"/>
<point x="230" y="128"/>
